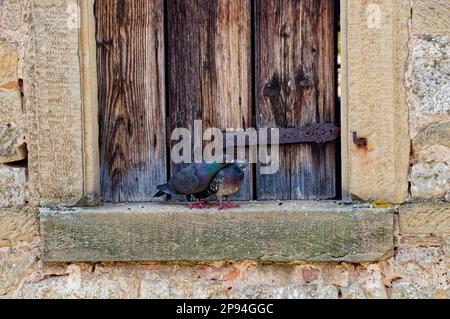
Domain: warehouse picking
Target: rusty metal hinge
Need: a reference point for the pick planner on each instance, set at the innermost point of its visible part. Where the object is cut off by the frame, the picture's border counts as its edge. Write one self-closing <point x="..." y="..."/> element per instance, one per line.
<point x="313" y="133"/>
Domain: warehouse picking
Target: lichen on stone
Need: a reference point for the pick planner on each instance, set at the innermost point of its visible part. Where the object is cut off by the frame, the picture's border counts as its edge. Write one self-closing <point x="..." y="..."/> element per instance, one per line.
<point x="431" y="64"/>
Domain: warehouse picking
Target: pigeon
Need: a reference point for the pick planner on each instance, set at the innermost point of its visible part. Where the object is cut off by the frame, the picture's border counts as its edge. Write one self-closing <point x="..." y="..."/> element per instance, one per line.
<point x="191" y="179"/>
<point x="225" y="183"/>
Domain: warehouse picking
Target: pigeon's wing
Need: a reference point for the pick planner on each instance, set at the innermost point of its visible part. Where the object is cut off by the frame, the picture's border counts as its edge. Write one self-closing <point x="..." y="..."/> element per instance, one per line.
<point x="186" y="180"/>
<point x="195" y="178"/>
<point x="215" y="183"/>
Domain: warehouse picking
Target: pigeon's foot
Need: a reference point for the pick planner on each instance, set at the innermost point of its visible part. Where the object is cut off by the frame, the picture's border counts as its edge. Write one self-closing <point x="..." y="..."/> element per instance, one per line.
<point x="229" y="205"/>
<point x="199" y="205"/>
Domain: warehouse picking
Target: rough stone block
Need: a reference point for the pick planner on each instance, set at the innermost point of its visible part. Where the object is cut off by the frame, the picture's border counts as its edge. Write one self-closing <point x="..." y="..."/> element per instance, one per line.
<point x="76" y="287"/>
<point x="409" y="290"/>
<point x="12" y="144"/>
<point x="431" y="67"/>
<point x="429" y="240"/>
<point x="373" y="286"/>
<point x="10" y="106"/>
<point x="165" y="289"/>
<point x="425" y="219"/>
<point x="10" y="14"/>
<point x="12" y="186"/>
<point x="434" y="154"/>
<point x="435" y="134"/>
<point x="430" y="175"/>
<point x="430" y="16"/>
<point x="424" y="257"/>
<point x="52" y="87"/>
<point x="296" y="231"/>
<point x="13" y="269"/>
<point x="10" y="100"/>
<point x="353" y="291"/>
<point x="430" y="180"/>
<point x="9" y="60"/>
<point x="264" y="291"/>
<point x="17" y="226"/>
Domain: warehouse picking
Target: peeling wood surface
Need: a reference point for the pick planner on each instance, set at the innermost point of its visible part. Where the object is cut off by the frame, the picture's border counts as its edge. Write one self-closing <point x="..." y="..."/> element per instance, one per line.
<point x="295" y="85"/>
<point x="306" y="231"/>
<point x="130" y="42"/>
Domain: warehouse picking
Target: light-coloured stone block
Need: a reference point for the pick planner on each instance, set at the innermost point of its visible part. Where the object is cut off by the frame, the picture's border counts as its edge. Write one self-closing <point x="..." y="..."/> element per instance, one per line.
<point x="10" y="106"/>
<point x="375" y="51"/>
<point x="12" y="144"/>
<point x="425" y="219"/>
<point x="409" y="290"/>
<point x="13" y="269"/>
<point x="431" y="68"/>
<point x="10" y="100"/>
<point x="430" y="16"/>
<point x="12" y="186"/>
<point x="373" y="286"/>
<point x="165" y="289"/>
<point x="434" y="154"/>
<point x="9" y="58"/>
<point x="52" y="86"/>
<point x="264" y="291"/>
<point x="430" y="174"/>
<point x="10" y="14"/>
<point x="430" y="180"/>
<point x="353" y="291"/>
<point x="435" y="134"/>
<point x="18" y="226"/>
<point x="74" y="286"/>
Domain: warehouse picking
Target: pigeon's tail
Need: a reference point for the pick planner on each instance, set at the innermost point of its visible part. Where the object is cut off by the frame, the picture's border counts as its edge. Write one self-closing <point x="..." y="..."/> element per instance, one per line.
<point x="164" y="190"/>
<point x="159" y="194"/>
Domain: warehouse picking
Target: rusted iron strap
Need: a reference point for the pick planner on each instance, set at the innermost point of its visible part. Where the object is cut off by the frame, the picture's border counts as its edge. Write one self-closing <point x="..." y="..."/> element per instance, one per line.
<point x="313" y="133"/>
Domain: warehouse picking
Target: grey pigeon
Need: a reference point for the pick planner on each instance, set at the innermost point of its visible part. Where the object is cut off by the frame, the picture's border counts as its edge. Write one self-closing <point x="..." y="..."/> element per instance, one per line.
<point x="191" y="179"/>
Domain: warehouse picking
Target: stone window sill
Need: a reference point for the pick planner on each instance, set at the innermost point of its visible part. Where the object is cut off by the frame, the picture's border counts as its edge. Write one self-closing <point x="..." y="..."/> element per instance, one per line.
<point x="262" y="231"/>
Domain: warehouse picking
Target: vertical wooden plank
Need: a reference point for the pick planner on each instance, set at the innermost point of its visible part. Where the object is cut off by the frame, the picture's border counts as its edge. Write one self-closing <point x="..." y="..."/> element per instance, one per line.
<point x="295" y="74"/>
<point x="88" y="62"/>
<point x="210" y="66"/>
<point x="130" y="40"/>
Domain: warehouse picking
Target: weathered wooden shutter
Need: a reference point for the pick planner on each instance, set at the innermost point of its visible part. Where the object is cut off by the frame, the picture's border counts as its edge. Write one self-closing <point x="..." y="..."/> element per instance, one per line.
<point x="130" y="40"/>
<point x="231" y="64"/>
<point x="209" y="49"/>
<point x="295" y="84"/>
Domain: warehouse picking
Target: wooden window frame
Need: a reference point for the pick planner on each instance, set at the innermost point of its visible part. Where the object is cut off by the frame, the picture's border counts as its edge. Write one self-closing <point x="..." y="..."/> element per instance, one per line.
<point x="373" y="102"/>
<point x="373" y="106"/>
<point x="374" y="55"/>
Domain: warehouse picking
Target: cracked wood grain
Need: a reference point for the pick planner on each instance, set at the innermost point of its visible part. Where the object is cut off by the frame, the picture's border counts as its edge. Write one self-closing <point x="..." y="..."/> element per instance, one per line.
<point x="295" y="85"/>
<point x="131" y="80"/>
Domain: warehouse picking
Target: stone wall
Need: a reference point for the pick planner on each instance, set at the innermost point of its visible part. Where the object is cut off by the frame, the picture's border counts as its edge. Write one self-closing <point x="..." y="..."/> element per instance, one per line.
<point x="428" y="83"/>
<point x="14" y="27"/>
<point x="429" y="97"/>
<point x="418" y="270"/>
